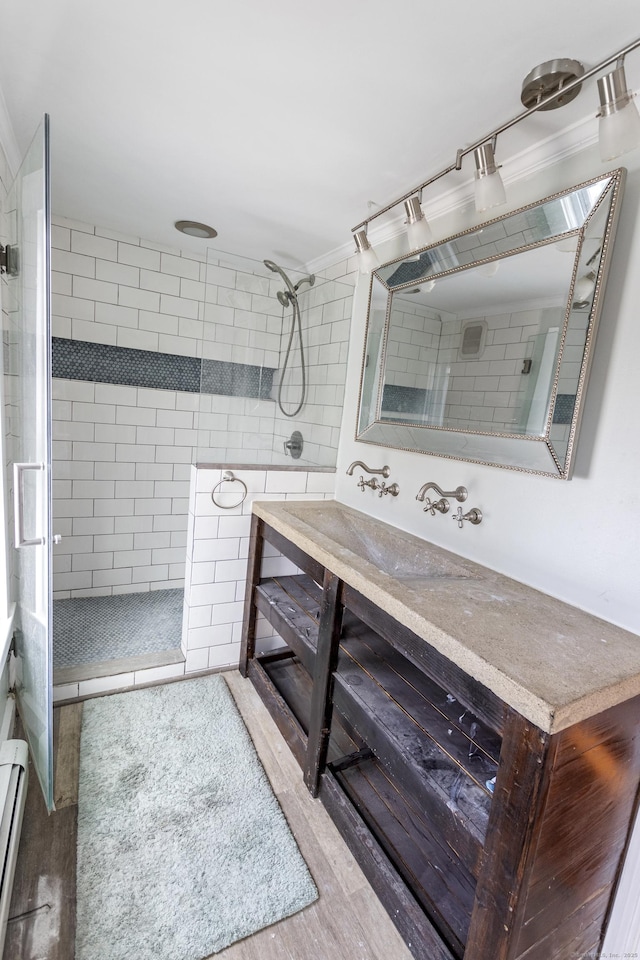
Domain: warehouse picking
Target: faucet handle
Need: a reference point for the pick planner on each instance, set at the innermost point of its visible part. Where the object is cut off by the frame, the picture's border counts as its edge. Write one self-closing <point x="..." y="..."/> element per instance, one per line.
<point x="441" y="505"/>
<point x="393" y="489"/>
<point x="474" y="516"/>
<point x="373" y="483"/>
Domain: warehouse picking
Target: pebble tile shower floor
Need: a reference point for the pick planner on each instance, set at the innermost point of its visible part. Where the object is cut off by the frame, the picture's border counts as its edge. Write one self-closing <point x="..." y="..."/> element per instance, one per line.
<point x="94" y="629"/>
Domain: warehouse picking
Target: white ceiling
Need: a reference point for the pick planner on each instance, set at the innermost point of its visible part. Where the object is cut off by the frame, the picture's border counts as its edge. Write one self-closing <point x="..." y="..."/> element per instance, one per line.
<point x="277" y="122"/>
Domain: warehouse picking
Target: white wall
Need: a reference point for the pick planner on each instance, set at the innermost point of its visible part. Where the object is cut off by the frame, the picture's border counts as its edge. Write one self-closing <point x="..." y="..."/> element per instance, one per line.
<point x="576" y="540"/>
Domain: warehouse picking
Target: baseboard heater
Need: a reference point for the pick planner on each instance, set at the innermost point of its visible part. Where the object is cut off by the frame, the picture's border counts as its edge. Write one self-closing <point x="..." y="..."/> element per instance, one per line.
<point x="14" y="775"/>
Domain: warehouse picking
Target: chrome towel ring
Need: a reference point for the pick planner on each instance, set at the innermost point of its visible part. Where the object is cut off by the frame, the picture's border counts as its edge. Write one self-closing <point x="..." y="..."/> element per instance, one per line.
<point x="228" y="477"/>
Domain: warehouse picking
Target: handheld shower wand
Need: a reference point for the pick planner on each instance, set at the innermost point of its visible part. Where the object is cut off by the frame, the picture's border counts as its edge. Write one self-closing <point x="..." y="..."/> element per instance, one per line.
<point x="290" y="297"/>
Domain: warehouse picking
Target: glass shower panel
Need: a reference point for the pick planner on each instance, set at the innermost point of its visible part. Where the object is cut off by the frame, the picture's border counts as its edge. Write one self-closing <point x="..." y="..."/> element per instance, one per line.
<point x="28" y="383"/>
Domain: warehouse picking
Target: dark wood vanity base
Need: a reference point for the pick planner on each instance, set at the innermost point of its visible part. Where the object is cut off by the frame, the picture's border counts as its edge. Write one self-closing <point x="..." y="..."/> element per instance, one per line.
<point x="402" y="747"/>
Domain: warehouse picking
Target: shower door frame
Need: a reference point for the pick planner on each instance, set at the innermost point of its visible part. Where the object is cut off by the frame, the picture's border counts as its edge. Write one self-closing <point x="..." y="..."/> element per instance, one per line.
<point x="29" y="375"/>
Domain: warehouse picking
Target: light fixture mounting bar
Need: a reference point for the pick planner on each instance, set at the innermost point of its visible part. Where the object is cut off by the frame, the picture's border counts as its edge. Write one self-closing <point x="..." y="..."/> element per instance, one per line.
<point x="494" y="134"/>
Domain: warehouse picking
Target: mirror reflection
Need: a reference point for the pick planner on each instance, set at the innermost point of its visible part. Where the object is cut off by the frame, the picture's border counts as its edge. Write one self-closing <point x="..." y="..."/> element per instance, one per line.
<point x="476" y="351"/>
<point x="486" y="334"/>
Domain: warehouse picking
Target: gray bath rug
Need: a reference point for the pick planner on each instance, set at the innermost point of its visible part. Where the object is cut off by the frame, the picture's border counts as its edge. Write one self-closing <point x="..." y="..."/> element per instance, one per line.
<point x="182" y="845"/>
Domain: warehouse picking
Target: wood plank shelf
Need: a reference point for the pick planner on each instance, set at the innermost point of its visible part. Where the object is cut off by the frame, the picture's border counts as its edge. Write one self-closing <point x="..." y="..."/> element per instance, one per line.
<point x="466" y="690"/>
<point x="420" y="934"/>
<point x="457" y="805"/>
<point x="292" y="607"/>
<point x="401" y="744"/>
<point x="413" y="845"/>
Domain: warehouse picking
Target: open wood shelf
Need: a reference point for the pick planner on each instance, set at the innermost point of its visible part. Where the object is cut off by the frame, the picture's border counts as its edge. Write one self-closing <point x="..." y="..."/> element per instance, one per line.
<point x="453" y="802"/>
<point x="293" y="685"/>
<point x="430" y="743"/>
<point x="292" y="682"/>
<point x="292" y="607"/>
<point x="444" y="890"/>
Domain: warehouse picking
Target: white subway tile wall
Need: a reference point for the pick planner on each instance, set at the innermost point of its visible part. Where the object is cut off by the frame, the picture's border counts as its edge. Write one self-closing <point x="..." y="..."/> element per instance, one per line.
<point x="122" y="453"/>
<point x="217" y="551"/>
<point x="492" y="389"/>
<point x="120" y="507"/>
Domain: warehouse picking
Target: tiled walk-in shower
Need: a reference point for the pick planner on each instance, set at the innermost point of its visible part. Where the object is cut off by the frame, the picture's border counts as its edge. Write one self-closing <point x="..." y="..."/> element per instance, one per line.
<point x="162" y="359"/>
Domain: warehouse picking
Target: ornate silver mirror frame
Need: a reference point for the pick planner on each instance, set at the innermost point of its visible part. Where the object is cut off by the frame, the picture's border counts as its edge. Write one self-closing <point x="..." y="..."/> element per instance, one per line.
<point x="478" y="348"/>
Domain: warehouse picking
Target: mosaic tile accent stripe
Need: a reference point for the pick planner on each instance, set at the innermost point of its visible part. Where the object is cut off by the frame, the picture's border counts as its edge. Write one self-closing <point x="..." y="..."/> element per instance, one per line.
<point x="236" y="379"/>
<point x="405" y="399"/>
<point x="103" y="363"/>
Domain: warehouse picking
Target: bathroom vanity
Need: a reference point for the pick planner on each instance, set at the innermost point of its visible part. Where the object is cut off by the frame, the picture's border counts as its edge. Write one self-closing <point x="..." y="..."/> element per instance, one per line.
<point x="475" y="741"/>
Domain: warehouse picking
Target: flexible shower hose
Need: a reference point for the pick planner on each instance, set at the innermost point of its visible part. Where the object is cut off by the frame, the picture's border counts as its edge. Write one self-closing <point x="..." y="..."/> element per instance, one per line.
<point x="295" y="321"/>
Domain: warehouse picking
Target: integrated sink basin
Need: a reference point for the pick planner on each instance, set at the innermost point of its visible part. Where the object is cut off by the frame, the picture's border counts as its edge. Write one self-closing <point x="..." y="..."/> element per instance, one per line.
<point x="551" y="662"/>
<point x="394" y="552"/>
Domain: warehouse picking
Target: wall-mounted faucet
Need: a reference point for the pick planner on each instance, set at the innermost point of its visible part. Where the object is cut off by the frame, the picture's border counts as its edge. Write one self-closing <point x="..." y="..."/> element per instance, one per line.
<point x="460" y="493"/>
<point x="382" y="488"/>
<point x="474" y="515"/>
<point x="441" y="505"/>
<point x="384" y="472"/>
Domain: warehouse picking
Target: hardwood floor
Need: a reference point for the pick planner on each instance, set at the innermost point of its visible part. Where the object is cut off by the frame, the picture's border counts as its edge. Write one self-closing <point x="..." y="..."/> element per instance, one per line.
<point x="42" y="914"/>
<point x="347" y="922"/>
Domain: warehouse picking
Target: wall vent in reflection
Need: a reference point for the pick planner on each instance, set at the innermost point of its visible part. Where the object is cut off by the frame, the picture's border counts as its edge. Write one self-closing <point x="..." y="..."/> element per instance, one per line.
<point x="473" y="335"/>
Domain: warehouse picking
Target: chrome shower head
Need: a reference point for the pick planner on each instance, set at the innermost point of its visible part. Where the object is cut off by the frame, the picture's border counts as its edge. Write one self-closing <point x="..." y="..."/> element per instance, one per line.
<point x="276" y="269"/>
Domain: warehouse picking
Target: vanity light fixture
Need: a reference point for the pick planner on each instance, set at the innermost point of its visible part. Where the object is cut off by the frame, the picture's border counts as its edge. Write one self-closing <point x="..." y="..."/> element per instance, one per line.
<point x="619" y="126"/>
<point x="489" y="188"/>
<point x="418" y="229"/>
<point x="367" y="257"/>
<point x="548" y="86"/>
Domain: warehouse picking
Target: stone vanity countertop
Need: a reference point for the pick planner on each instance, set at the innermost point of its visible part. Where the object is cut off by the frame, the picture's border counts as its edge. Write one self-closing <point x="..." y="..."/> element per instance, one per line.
<point x="553" y="663"/>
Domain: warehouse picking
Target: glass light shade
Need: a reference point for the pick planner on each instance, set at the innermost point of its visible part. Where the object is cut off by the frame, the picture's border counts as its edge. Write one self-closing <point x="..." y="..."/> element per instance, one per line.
<point x="367" y="259"/>
<point x="619" y="132"/>
<point x="419" y="234"/>
<point x="489" y="191"/>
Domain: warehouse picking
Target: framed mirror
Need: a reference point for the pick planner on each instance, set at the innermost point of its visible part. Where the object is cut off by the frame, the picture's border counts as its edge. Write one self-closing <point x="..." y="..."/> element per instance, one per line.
<point x="478" y="347"/>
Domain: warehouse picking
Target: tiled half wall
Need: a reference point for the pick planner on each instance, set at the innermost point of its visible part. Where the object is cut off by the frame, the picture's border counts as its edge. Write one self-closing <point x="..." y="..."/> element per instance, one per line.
<point x="217" y="551"/>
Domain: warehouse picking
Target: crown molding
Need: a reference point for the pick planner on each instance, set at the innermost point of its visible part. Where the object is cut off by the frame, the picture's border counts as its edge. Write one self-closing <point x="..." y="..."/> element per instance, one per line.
<point x="8" y="140"/>
<point x="540" y="155"/>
